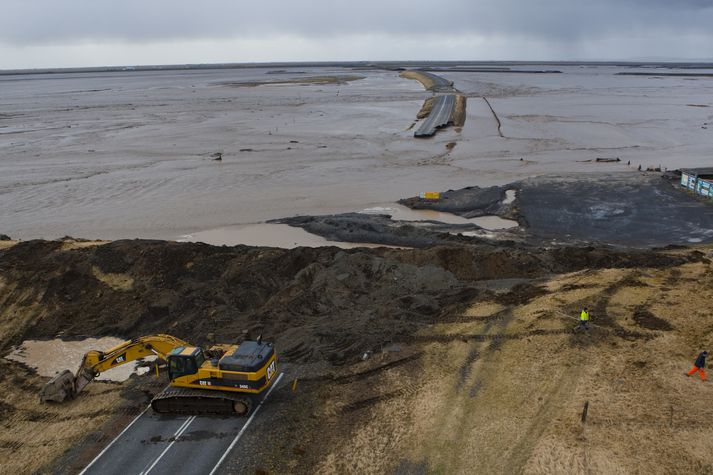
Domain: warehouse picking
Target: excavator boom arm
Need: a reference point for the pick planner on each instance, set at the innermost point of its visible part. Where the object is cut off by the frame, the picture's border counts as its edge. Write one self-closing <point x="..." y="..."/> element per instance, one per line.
<point x="130" y="350"/>
<point x="67" y="385"/>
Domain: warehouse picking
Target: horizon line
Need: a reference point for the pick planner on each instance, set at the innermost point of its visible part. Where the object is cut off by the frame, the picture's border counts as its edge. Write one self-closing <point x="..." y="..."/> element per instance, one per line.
<point x="699" y="63"/>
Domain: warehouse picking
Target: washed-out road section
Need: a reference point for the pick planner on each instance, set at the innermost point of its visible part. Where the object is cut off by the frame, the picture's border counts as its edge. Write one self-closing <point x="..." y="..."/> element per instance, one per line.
<point x="440" y="116"/>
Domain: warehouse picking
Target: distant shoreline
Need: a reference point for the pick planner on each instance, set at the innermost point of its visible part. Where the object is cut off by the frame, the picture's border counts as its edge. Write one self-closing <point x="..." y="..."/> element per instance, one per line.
<point x="395" y="65"/>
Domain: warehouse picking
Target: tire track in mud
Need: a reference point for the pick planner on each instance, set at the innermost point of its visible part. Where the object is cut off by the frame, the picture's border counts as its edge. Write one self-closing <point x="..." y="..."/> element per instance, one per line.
<point x="478" y="349"/>
<point x="496" y="337"/>
<point x="485" y="318"/>
<point x="370" y="401"/>
<point x="482" y="345"/>
<point x="552" y="403"/>
<point x="472" y="376"/>
<point x="523" y="450"/>
<point x="492" y="339"/>
<point x="409" y="386"/>
<point x="601" y="317"/>
<point x="350" y="378"/>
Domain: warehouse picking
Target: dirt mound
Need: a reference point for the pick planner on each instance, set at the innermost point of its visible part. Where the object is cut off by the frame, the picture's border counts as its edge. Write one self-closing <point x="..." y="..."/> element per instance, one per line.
<point x="364" y="330"/>
<point x="354" y="300"/>
<point x="459" y="114"/>
<point x="425" y="108"/>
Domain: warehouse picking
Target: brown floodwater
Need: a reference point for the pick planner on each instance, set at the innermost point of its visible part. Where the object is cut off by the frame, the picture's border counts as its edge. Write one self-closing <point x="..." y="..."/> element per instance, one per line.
<point x="131" y="154"/>
<point x="49" y="357"/>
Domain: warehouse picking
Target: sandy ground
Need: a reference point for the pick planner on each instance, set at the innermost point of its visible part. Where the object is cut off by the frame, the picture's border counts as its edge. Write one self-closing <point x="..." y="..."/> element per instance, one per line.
<point x="6" y="244"/>
<point x="34" y="434"/>
<point x="501" y="388"/>
<point x="110" y="155"/>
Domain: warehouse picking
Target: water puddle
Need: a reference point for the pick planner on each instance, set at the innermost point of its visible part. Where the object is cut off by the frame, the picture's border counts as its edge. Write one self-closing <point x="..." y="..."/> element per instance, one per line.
<point x="289" y="237"/>
<point x="510" y="196"/>
<point x="266" y="234"/>
<point x="494" y="223"/>
<point x="50" y="357"/>
<point x="403" y="213"/>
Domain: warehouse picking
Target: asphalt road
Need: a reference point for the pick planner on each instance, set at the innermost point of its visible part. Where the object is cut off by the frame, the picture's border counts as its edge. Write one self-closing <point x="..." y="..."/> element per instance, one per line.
<point x="159" y="444"/>
<point x="440" y="84"/>
<point x="440" y="115"/>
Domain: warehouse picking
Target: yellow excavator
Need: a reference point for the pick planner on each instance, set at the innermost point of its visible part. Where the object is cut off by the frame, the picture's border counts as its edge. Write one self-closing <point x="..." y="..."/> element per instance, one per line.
<point x="223" y="379"/>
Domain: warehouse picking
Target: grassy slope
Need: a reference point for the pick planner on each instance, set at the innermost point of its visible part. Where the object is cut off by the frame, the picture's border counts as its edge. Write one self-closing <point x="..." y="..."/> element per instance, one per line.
<point x="513" y="405"/>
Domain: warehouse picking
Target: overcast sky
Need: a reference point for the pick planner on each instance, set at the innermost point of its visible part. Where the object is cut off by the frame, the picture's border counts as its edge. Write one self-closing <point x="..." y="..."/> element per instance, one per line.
<point x="54" y="33"/>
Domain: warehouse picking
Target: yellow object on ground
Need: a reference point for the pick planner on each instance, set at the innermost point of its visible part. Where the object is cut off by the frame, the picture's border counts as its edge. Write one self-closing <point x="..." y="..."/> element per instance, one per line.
<point x="430" y="195"/>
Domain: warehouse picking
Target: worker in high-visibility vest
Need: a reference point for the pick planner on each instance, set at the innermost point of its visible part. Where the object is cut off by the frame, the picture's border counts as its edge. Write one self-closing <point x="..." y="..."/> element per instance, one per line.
<point x="699" y="366"/>
<point x="584" y="319"/>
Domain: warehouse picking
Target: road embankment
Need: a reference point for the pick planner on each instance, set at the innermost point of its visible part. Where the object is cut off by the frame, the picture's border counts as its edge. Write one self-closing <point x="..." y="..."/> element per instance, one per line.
<point x="441" y="110"/>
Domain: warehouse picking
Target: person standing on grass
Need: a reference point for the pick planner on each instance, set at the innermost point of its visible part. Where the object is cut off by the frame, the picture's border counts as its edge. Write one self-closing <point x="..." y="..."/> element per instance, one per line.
<point x="584" y="320"/>
<point x="699" y="366"/>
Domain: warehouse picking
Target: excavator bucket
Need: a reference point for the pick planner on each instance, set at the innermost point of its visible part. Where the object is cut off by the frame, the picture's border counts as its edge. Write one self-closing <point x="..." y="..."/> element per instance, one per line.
<point x="59" y="388"/>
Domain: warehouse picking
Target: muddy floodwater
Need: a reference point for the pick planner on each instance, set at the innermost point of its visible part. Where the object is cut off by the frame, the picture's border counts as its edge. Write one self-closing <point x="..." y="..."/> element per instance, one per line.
<point x="132" y="154"/>
<point x="402" y="213"/>
<point x="50" y="357"/>
<point x="266" y="234"/>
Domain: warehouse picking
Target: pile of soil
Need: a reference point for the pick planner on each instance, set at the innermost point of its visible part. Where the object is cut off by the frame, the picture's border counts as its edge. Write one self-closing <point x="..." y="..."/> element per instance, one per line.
<point x="459" y="114"/>
<point x="318" y="304"/>
<point x="325" y="308"/>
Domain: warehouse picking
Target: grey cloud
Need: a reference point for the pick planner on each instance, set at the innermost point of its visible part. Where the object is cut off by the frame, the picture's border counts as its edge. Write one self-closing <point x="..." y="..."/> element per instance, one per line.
<point x="26" y="22"/>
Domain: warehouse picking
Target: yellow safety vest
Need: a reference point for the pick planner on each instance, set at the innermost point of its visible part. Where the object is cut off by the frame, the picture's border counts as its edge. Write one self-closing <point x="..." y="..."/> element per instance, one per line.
<point x="584" y="316"/>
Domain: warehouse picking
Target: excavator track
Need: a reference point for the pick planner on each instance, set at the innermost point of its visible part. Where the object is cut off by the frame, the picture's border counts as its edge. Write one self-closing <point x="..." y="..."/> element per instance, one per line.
<point x="201" y="401"/>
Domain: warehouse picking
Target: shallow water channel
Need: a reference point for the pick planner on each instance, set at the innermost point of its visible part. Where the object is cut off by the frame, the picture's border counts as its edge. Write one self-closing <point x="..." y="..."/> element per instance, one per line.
<point x="50" y="357"/>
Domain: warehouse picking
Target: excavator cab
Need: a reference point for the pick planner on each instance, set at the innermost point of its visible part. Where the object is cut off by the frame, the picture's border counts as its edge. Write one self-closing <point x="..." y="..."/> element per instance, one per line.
<point x="183" y="361"/>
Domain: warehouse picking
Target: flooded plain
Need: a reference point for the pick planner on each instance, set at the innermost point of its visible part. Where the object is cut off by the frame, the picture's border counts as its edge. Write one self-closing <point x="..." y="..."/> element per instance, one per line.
<point x="402" y="213"/>
<point x="132" y="154"/>
<point x="267" y="234"/>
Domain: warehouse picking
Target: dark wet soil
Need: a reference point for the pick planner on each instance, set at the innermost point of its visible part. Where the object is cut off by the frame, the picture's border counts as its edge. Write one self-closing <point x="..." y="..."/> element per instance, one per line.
<point x="318" y="304"/>
<point x="649" y="321"/>
<point x="624" y="209"/>
<point x="470" y="202"/>
<point x="381" y="229"/>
